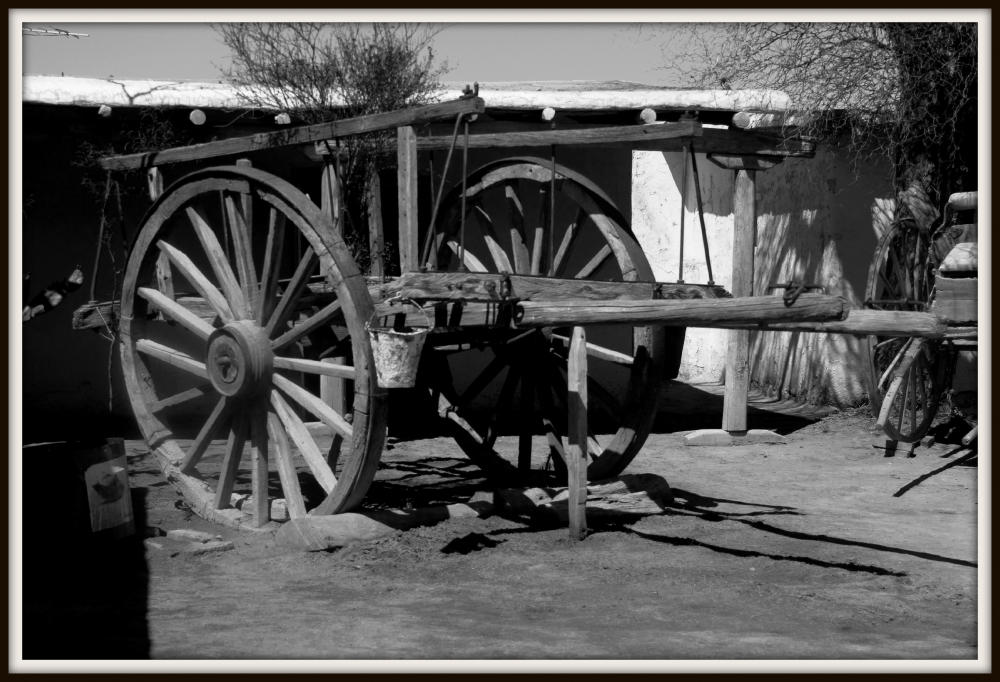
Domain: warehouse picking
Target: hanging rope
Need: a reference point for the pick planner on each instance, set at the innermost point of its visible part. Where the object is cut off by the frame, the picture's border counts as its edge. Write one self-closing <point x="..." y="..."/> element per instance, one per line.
<point x="100" y="238"/>
<point x="426" y="253"/>
<point x="701" y="213"/>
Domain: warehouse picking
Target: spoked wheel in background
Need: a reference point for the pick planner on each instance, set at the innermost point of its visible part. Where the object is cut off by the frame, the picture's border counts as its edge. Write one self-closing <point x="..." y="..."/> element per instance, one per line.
<point x="518" y="379"/>
<point x="906" y="376"/>
<point x="239" y="355"/>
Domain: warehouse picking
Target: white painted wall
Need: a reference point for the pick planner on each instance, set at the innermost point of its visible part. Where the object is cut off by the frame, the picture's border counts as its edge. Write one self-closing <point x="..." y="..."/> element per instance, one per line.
<point x="818" y="221"/>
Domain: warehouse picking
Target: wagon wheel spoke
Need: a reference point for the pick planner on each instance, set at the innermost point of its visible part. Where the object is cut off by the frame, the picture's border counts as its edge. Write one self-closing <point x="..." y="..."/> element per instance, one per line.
<point x="180" y="398"/>
<point x="303" y="440"/>
<point x="518" y="238"/>
<point x="230" y="464"/>
<point x="177" y="312"/>
<point x="314" y="405"/>
<point x="552" y="434"/>
<point x="596" y="351"/>
<point x="172" y="357"/>
<point x="594" y="448"/>
<point x="921" y="388"/>
<point x="481" y="382"/>
<point x="324" y="317"/>
<point x="216" y="422"/>
<point x="485" y="223"/>
<point x="258" y="463"/>
<point x="272" y="265"/>
<point x="527" y="420"/>
<point x="286" y="468"/>
<point x="286" y="305"/>
<point x="538" y="244"/>
<point x="599" y="259"/>
<point x="496" y="192"/>
<point x="244" y="254"/>
<point x="220" y="264"/>
<point x="471" y="262"/>
<point x="567" y="243"/>
<point x="503" y="403"/>
<point x="316" y="367"/>
<point x="207" y="290"/>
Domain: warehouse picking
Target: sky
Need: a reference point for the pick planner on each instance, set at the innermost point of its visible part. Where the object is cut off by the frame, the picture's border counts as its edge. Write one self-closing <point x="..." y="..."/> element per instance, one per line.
<point x="475" y="51"/>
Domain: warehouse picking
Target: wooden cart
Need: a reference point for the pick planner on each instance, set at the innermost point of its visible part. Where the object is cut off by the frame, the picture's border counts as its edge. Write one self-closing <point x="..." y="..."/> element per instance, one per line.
<point x="241" y="299"/>
<point x="912" y="270"/>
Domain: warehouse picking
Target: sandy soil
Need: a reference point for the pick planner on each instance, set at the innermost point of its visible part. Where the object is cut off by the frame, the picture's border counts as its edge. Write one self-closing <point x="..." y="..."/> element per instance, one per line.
<point x="819" y="548"/>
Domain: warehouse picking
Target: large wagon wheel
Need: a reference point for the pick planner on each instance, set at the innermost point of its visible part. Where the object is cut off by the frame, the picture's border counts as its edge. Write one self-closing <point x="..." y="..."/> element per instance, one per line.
<point x="905" y="375"/>
<point x="592" y="241"/>
<point x="241" y="356"/>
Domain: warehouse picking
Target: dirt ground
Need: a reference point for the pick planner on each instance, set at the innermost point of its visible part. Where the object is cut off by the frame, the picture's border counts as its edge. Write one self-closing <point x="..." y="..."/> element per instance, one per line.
<point x="821" y="548"/>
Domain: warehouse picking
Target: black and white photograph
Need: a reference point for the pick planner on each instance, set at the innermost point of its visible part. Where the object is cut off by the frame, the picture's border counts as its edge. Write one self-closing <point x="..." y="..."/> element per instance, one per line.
<point x="496" y="340"/>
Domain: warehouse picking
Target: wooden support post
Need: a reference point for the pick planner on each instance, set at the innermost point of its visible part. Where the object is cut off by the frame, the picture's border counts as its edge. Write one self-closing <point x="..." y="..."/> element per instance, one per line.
<point x="164" y="275"/>
<point x="333" y="390"/>
<point x="376" y="240"/>
<point x="247" y="202"/>
<point x="734" y="410"/>
<point x="576" y="436"/>
<point x="409" y="243"/>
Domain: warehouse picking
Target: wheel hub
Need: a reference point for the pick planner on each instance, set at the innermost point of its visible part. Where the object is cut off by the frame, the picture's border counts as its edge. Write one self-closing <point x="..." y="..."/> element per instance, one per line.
<point x="239" y="359"/>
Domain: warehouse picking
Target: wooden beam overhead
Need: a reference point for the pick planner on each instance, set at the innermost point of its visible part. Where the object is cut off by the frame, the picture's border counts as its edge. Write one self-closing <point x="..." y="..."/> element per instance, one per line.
<point x="744" y="162"/>
<point x="300" y="135"/>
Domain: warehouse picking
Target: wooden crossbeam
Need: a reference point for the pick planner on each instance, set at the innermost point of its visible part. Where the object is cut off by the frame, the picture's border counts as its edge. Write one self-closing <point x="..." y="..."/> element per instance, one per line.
<point x="299" y="135"/>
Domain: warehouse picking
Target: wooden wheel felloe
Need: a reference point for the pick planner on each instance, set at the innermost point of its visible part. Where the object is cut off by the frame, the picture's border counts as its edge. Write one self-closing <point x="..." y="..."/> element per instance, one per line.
<point x="905" y="376"/>
<point x="520" y="384"/>
<point x="234" y="346"/>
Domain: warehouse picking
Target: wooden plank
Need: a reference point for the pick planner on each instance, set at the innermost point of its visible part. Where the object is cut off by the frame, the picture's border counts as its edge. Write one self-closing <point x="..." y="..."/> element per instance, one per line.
<point x="734" y="408"/>
<point x="487" y="287"/>
<point x="376" y="235"/>
<point x="406" y="174"/>
<point x="871" y="322"/>
<point x="723" y="313"/>
<point x="300" y="135"/>
<point x="326" y="316"/>
<point x="735" y="143"/>
<point x="609" y="135"/>
<point x="956" y="311"/>
<point x="744" y="162"/>
<point x="576" y="436"/>
<point x="749" y="120"/>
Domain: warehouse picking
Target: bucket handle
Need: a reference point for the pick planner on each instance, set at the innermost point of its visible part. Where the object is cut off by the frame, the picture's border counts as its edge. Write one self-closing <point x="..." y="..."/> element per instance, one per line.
<point x="391" y="301"/>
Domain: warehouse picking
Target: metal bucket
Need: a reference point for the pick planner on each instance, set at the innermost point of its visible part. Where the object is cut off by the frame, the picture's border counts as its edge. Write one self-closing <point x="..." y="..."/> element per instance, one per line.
<point x="397" y="353"/>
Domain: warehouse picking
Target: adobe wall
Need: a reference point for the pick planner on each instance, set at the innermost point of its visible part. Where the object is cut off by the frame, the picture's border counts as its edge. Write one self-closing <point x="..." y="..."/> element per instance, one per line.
<point x="818" y="221"/>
